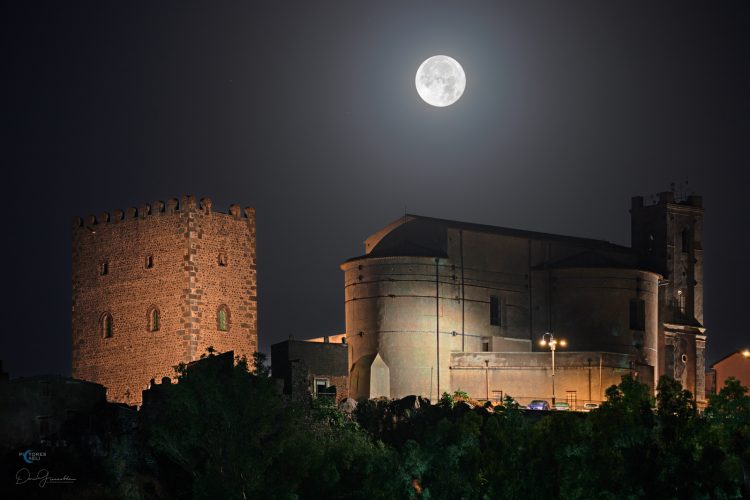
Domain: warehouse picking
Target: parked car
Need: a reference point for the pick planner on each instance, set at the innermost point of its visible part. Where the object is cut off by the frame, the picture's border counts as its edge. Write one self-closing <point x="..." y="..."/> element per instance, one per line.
<point x="538" y="404"/>
<point x="561" y="406"/>
<point x="590" y="406"/>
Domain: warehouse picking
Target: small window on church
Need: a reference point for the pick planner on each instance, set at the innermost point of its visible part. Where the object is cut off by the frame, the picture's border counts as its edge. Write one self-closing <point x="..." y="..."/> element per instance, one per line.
<point x="495" y="316"/>
<point x="485" y="344"/>
<point x="149" y="261"/>
<point x="104" y="268"/>
<point x="222" y="259"/>
<point x="686" y="241"/>
<point x="154" y="319"/>
<point x="222" y="318"/>
<point x="106" y="326"/>
<point x="638" y="315"/>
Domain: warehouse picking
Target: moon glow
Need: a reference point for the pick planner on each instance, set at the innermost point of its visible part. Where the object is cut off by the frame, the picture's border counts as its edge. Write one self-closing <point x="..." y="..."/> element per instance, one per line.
<point x="440" y="81"/>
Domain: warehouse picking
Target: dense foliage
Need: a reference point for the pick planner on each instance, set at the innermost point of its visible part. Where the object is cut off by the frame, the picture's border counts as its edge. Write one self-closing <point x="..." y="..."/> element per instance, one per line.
<point x="219" y="436"/>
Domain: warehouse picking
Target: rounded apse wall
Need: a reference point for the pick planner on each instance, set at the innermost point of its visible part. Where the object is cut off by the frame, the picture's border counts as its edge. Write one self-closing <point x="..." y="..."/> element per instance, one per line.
<point x="393" y="316"/>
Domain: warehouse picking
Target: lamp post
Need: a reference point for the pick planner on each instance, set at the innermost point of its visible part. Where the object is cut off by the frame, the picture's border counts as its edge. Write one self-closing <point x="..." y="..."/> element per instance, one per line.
<point x="548" y="340"/>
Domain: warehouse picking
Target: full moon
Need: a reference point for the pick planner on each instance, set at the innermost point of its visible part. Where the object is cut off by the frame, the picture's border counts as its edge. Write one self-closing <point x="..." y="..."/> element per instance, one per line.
<point x="440" y="81"/>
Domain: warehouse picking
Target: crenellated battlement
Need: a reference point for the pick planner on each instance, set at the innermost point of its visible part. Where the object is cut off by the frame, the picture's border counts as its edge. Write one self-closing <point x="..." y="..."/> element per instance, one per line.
<point x="160" y="208"/>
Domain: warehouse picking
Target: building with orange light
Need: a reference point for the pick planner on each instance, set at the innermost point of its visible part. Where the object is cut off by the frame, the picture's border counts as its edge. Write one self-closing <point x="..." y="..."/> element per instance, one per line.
<point x="735" y="365"/>
<point x="155" y="286"/>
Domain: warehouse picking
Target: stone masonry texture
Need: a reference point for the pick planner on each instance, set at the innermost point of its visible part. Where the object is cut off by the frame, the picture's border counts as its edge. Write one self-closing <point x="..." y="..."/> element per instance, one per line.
<point x="181" y="259"/>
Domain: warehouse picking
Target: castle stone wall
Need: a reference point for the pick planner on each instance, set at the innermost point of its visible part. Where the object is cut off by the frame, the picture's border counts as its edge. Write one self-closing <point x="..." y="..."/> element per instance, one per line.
<point x="165" y="257"/>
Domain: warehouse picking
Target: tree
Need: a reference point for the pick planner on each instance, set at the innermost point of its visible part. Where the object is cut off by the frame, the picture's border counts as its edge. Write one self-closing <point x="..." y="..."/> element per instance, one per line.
<point x="728" y="416"/>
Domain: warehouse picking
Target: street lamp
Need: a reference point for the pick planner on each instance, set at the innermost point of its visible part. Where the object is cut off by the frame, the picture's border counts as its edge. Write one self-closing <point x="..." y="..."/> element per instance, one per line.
<point x="548" y="340"/>
<point x="746" y="353"/>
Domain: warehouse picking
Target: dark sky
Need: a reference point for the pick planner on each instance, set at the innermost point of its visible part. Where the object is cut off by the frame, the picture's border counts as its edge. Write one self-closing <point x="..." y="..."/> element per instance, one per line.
<point x="308" y="112"/>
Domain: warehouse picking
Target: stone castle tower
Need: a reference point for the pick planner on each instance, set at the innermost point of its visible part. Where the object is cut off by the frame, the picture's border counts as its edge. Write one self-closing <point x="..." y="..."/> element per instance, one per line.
<point x="668" y="237"/>
<point x="156" y="286"/>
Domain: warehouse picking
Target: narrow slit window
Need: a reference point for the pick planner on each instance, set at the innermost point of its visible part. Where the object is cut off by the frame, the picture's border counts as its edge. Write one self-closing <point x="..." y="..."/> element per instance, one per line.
<point x="222" y="259"/>
<point x="107" y="326"/>
<point x="104" y="268"/>
<point x="149" y="261"/>
<point x="222" y="319"/>
<point x="154" y="319"/>
<point x="681" y="302"/>
<point x="495" y="316"/>
<point x="686" y="241"/>
<point x="638" y="314"/>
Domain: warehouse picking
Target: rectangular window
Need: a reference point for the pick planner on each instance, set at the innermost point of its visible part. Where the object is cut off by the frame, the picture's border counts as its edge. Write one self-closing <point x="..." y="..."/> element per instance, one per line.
<point x="495" y="317"/>
<point x="149" y="261"/>
<point x="104" y="268"/>
<point x="485" y="344"/>
<point x="638" y="315"/>
<point x="321" y="384"/>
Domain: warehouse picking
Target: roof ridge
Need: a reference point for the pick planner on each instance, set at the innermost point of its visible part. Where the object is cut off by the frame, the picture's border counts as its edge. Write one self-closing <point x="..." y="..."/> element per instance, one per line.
<point x="539" y="234"/>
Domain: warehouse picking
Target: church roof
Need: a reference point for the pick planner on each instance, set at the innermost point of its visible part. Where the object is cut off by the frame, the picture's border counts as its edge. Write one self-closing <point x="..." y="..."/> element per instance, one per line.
<point x="420" y="236"/>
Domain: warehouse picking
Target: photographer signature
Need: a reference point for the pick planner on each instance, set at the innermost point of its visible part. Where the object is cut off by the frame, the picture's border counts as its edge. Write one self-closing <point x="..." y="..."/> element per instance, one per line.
<point x="24" y="476"/>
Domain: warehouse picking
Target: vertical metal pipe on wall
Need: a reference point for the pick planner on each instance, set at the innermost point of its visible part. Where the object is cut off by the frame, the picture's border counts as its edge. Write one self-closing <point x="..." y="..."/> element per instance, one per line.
<point x="437" y="321"/>
<point x="463" y="297"/>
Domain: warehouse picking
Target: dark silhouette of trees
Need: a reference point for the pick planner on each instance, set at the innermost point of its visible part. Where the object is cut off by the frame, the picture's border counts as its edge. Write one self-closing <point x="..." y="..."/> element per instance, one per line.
<point x="233" y="435"/>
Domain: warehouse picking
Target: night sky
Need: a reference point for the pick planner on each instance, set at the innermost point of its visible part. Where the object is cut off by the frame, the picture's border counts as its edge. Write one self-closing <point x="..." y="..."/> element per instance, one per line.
<point x="308" y="112"/>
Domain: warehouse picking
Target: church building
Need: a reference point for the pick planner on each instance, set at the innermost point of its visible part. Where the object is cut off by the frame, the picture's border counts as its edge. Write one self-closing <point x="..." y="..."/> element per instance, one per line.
<point x="438" y="306"/>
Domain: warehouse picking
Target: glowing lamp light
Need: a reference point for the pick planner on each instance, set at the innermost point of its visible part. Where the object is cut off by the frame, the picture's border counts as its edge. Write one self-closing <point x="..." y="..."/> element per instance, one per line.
<point x="746" y="353"/>
<point x="563" y="343"/>
<point x="542" y="343"/>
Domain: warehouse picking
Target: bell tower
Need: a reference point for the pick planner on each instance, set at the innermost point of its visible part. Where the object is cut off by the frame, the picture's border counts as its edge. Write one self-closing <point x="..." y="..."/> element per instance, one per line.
<point x="668" y="238"/>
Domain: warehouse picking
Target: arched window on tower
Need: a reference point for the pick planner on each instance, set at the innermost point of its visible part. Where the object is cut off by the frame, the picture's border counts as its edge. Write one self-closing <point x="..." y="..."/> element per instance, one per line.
<point x="222" y="318"/>
<point x="106" y="325"/>
<point x="154" y="319"/>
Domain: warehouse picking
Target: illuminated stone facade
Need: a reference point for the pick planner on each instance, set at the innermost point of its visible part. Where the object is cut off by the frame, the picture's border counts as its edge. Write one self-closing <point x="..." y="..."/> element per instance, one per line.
<point x="437" y="305"/>
<point x="157" y="285"/>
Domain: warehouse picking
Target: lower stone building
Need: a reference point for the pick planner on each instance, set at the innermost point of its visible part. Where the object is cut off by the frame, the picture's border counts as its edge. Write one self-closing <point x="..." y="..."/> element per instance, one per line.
<point x="34" y="410"/>
<point x="437" y="306"/>
<point x="318" y="367"/>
